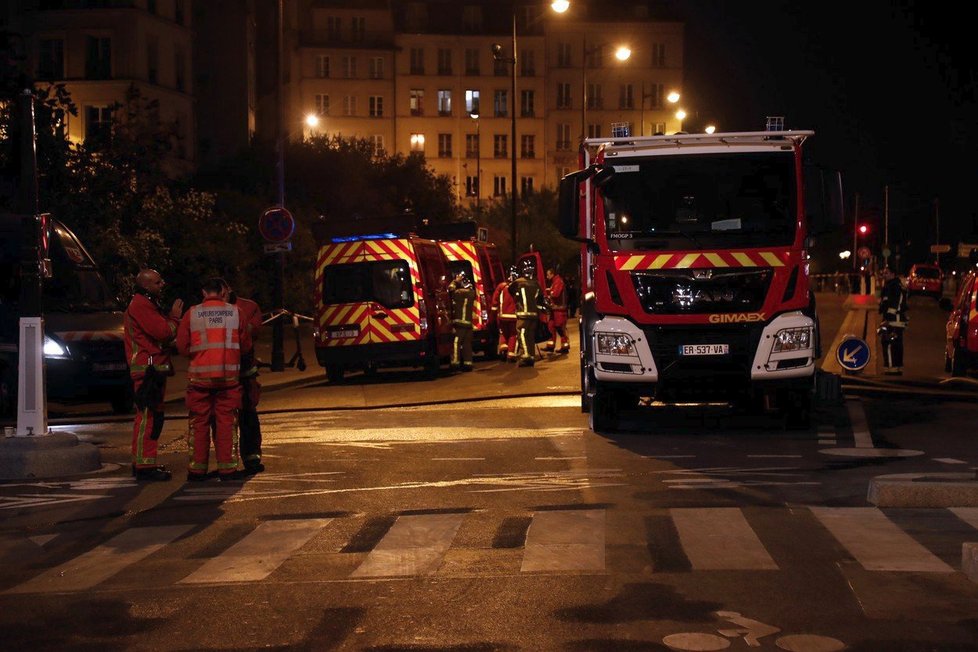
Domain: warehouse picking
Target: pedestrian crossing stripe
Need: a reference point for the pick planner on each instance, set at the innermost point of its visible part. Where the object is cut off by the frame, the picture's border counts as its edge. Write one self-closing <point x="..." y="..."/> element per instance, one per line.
<point x="556" y="541"/>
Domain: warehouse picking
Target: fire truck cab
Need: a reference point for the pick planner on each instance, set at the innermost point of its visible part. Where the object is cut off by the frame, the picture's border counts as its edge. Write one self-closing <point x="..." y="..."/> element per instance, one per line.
<point x="695" y="270"/>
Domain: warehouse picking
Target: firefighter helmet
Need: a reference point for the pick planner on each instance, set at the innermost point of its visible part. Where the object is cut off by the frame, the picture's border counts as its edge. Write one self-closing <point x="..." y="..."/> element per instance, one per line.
<point x="529" y="270"/>
<point x="512" y="274"/>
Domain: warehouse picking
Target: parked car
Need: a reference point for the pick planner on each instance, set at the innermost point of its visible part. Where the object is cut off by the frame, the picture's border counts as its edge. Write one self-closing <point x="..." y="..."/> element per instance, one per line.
<point x="961" y="343"/>
<point x="925" y="279"/>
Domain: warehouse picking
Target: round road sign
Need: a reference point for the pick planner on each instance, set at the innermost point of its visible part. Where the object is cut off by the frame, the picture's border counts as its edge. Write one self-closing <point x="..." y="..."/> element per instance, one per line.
<point x="864" y="253"/>
<point x="853" y="354"/>
<point x="276" y="224"/>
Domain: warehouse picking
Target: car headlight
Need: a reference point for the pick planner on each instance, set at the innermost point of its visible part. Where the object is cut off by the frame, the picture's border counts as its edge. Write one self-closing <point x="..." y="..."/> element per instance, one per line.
<point x="615" y="344"/>
<point x="53" y="348"/>
<point x="792" y="339"/>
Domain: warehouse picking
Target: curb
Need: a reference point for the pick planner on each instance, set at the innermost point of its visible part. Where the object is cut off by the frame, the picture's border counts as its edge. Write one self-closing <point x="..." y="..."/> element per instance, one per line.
<point x="934" y="490"/>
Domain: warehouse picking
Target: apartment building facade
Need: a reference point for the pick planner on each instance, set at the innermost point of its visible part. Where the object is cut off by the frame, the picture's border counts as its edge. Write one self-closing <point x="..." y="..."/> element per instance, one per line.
<point x="101" y="48"/>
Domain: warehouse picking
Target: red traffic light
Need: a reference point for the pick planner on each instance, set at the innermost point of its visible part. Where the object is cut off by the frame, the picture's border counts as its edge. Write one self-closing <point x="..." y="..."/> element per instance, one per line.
<point x="863" y="229"/>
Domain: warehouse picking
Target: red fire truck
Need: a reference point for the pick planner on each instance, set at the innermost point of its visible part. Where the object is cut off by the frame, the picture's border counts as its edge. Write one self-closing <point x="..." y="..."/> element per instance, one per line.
<point x="694" y="270"/>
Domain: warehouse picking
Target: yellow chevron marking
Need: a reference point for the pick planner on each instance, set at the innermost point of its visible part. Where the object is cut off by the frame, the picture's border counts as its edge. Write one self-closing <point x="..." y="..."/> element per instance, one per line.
<point x="659" y="261"/>
<point x="632" y="262"/>
<point x="380" y="332"/>
<point x="744" y="259"/>
<point x="772" y="258"/>
<point x="687" y="260"/>
<point x="716" y="260"/>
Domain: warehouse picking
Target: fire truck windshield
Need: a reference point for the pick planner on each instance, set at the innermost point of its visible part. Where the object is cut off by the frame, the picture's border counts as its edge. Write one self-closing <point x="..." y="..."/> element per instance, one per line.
<point x="701" y="201"/>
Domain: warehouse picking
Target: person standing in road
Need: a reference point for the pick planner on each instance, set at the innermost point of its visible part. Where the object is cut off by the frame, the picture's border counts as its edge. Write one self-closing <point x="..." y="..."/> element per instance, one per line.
<point x="149" y="335"/>
<point x="505" y="308"/>
<point x="893" y="311"/>
<point x="557" y="296"/>
<point x="529" y="304"/>
<point x="249" y="425"/>
<point x="463" y="302"/>
<point x="213" y="334"/>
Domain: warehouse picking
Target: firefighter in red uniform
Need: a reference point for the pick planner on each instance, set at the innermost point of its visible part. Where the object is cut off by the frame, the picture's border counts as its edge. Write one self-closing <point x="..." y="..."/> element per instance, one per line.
<point x="557" y="297"/>
<point x="149" y="334"/>
<point x="505" y="307"/>
<point x="213" y="334"/>
<point x="250" y="427"/>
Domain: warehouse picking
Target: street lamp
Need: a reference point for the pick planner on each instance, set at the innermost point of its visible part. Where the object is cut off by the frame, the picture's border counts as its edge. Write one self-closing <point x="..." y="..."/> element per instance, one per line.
<point x="672" y="98"/>
<point x="622" y="53"/>
<point x="478" y="163"/>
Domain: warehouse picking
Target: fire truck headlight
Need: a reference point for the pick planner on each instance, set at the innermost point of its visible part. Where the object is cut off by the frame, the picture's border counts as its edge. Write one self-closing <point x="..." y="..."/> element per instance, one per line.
<point x="54" y="349"/>
<point x="792" y="339"/>
<point x="614" y="344"/>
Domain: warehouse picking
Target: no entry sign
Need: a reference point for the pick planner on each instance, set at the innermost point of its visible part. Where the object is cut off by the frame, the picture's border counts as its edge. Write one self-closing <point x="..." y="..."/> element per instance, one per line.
<point x="276" y="224"/>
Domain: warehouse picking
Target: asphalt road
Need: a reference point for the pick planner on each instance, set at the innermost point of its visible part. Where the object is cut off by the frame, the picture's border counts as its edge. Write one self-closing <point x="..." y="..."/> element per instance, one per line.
<point x="504" y="524"/>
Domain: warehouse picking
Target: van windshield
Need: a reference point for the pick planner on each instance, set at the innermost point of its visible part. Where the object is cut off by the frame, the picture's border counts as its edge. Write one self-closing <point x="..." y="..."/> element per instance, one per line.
<point x="701" y="201"/>
<point x="927" y="272"/>
<point x="456" y="267"/>
<point x="387" y="282"/>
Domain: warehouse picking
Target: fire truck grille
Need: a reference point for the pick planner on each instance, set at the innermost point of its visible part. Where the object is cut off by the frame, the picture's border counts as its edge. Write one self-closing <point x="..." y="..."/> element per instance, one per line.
<point x="689" y="291"/>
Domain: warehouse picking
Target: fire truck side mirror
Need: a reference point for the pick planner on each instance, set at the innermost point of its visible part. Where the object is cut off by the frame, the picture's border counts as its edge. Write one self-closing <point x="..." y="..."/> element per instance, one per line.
<point x="569" y="207"/>
<point x="824" y="203"/>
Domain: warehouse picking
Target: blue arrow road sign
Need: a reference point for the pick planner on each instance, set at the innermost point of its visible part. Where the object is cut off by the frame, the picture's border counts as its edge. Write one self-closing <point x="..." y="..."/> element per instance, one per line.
<point x="853" y="354"/>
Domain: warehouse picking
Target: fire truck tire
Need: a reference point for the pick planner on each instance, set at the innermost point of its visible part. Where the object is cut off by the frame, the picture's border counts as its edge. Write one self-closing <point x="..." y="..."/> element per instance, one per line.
<point x="603" y="417"/>
<point x="959" y="362"/>
<point x="587" y="382"/>
<point x="335" y="372"/>
<point x="797" y="410"/>
<point x="432" y="364"/>
<point x="370" y="370"/>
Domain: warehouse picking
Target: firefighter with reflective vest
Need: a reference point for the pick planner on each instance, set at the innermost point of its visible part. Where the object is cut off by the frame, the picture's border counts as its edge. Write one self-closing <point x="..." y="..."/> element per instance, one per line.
<point x="249" y="426"/>
<point x="557" y="297"/>
<point x="529" y="304"/>
<point x="149" y="335"/>
<point x="505" y="308"/>
<point x="463" y="301"/>
<point x="893" y="311"/>
<point x="213" y="333"/>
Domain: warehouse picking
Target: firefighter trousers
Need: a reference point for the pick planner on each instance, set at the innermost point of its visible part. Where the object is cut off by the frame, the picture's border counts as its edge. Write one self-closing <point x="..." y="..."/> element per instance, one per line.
<point x="526" y="339"/>
<point x="248" y="425"/>
<point x="218" y="406"/>
<point x="507" y="337"/>
<point x="558" y="331"/>
<point x="462" y="346"/>
<point x="892" y="343"/>
<point x="147" y="427"/>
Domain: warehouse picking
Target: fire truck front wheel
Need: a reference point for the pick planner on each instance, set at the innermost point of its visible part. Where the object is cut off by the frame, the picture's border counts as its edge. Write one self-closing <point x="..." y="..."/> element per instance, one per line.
<point x="605" y="406"/>
<point x="335" y="372"/>
<point x="796" y="406"/>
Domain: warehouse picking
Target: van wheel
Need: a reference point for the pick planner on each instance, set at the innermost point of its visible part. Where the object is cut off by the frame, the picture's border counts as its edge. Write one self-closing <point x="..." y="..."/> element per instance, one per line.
<point x="370" y="370"/>
<point x="603" y="417"/>
<point x="432" y="365"/>
<point x="121" y="401"/>
<point x="959" y="363"/>
<point x="335" y="372"/>
<point x="587" y="383"/>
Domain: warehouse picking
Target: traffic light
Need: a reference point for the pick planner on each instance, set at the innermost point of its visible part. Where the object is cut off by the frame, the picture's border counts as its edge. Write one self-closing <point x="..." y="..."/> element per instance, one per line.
<point x="863" y="229"/>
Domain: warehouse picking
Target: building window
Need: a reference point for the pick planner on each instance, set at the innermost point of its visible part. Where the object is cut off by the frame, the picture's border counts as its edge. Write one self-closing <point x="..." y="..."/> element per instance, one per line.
<point x="471" y="146"/>
<point x="499" y="149"/>
<point x="526" y="104"/>
<point x="594" y="100"/>
<point x="179" y="15"/>
<point x="153" y="61"/>
<point x="563" y="55"/>
<point x="500" y="104"/>
<point x="417" y="143"/>
<point x="445" y="145"/>
<point x="98" y="124"/>
<point x="660" y="128"/>
<point x="472" y="102"/>
<point x="527" y="148"/>
<point x="444" y="61"/>
<point x="594" y="131"/>
<point x="596" y="57"/>
<point x="333" y="28"/>
<point x="472" y="186"/>
<point x="349" y="105"/>
<point x="500" y="68"/>
<point x="563" y="136"/>
<point x="655" y="95"/>
<point x="626" y="97"/>
<point x="471" y="61"/>
<point x="51" y="58"/>
<point x="472" y="18"/>
<point x="322" y="66"/>
<point x="444" y="102"/>
<point x="350" y="67"/>
<point x="376" y="67"/>
<point x="416" y="17"/>
<point x="563" y="95"/>
<point x="563" y="171"/>
<point x="377" y="143"/>
<point x="417" y="61"/>
<point x="375" y="106"/>
<point x="528" y="66"/>
<point x="417" y="101"/>
<point x="180" y="68"/>
<point x="498" y="186"/>
<point x="322" y="104"/>
<point x="658" y="55"/>
<point x="358" y="28"/>
<point x="526" y="186"/>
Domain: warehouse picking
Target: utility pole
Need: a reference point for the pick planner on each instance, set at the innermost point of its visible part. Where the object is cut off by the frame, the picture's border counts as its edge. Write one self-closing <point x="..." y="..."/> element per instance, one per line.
<point x="937" y="230"/>
<point x="855" y="235"/>
<point x="886" y="226"/>
<point x="278" y="333"/>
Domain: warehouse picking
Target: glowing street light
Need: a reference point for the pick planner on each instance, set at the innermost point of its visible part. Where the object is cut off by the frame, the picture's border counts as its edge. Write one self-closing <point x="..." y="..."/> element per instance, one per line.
<point x="560" y="6"/>
<point x="710" y="129"/>
<point x="623" y="52"/>
<point x="312" y="120"/>
<point x="680" y="115"/>
<point x="672" y="97"/>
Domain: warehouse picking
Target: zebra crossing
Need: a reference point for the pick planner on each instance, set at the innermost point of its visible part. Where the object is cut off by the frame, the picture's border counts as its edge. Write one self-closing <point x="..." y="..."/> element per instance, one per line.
<point x="554" y="541"/>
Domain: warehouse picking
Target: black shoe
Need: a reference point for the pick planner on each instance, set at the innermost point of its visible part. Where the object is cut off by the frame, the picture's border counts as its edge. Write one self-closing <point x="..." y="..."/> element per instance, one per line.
<point x="525" y="363"/>
<point x="197" y="477"/>
<point x="233" y="476"/>
<point x="253" y="467"/>
<point x="467" y="367"/>
<point x="152" y="474"/>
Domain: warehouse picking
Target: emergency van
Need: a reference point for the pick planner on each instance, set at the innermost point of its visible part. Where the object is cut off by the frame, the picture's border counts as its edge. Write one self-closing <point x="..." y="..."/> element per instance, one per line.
<point x="480" y="262"/>
<point x="381" y="296"/>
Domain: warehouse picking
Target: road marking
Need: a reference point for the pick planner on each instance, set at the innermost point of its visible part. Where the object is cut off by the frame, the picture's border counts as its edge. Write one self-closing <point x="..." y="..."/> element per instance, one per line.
<point x="876" y="542"/>
<point x="860" y="427"/>
<point x="256" y="556"/>
<point x="415" y="545"/>
<point x="720" y="538"/>
<point x="774" y="456"/>
<point x="826" y="442"/>
<point x="552" y="459"/>
<point x="967" y="514"/>
<point x="949" y="460"/>
<point x="565" y="540"/>
<point x="42" y="540"/>
<point x="458" y="459"/>
<point x="42" y="500"/>
<point x="104" y="561"/>
<point x="667" y="457"/>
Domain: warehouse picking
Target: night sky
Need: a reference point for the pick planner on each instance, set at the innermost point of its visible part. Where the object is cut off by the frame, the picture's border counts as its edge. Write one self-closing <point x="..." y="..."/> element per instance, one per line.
<point x="889" y="87"/>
